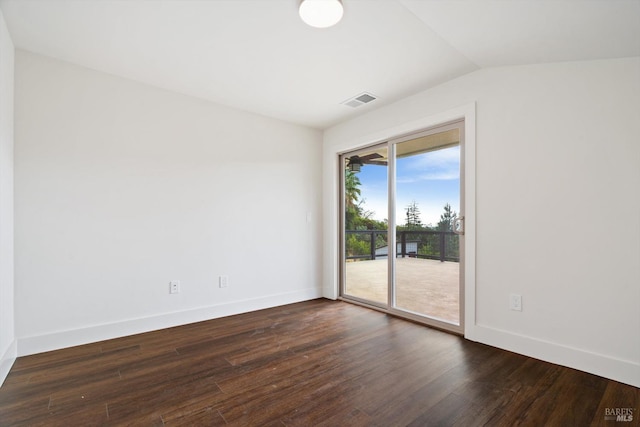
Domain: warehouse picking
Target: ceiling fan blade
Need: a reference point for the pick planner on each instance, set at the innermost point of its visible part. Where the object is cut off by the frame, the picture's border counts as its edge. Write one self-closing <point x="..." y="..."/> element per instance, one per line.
<point x="370" y="157"/>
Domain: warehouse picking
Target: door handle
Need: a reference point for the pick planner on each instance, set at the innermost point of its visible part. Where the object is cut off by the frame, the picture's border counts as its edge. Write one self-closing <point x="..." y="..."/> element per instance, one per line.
<point x="458" y="225"/>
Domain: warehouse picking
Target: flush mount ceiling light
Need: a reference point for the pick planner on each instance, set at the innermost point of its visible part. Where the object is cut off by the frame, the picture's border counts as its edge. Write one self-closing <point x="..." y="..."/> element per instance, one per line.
<point x="321" y="13"/>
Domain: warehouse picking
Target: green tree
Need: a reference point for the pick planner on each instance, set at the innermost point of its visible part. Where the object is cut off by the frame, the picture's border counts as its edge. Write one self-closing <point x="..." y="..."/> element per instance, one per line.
<point x="355" y="245"/>
<point x="413" y="216"/>
<point x="353" y="208"/>
<point x="357" y="218"/>
<point x="447" y="219"/>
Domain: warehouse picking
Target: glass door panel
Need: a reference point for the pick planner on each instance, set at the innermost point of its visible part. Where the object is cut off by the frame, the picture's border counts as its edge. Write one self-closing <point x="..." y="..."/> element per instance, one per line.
<point x="365" y="209"/>
<point x="428" y="202"/>
<point x="402" y="243"/>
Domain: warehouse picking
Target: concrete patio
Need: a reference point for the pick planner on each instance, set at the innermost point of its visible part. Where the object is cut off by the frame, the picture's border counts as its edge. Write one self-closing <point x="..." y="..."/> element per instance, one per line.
<point x="423" y="286"/>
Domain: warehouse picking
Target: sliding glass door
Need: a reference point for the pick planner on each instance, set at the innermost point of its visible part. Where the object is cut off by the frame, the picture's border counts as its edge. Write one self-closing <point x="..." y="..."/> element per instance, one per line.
<point x="365" y="232"/>
<point x="402" y="227"/>
<point x="428" y="206"/>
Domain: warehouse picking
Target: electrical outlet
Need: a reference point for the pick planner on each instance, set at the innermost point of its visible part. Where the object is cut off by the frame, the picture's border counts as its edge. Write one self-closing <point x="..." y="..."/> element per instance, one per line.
<point x="174" y="287"/>
<point x="223" y="281"/>
<point x="515" y="302"/>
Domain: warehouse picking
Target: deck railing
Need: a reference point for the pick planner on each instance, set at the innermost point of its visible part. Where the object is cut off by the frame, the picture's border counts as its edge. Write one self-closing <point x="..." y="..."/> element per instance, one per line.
<point x="444" y="249"/>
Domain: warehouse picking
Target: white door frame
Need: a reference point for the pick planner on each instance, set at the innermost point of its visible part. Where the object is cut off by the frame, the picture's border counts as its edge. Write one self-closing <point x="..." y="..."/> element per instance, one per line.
<point x="468" y="163"/>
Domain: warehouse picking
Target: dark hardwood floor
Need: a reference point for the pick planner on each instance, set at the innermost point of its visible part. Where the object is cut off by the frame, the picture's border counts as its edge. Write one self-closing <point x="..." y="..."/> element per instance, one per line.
<point x="314" y="363"/>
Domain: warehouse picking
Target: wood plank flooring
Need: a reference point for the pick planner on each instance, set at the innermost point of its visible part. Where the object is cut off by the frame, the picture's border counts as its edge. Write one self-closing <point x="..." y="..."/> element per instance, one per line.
<point x="316" y="363"/>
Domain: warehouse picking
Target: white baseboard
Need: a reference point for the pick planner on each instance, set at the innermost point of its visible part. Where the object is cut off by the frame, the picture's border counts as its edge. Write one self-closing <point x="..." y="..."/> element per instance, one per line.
<point x="624" y="371"/>
<point x="70" y="338"/>
<point x="6" y="362"/>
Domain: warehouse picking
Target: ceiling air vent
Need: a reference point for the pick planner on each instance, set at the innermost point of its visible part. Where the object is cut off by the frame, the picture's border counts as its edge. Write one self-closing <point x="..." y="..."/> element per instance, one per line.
<point x="358" y="100"/>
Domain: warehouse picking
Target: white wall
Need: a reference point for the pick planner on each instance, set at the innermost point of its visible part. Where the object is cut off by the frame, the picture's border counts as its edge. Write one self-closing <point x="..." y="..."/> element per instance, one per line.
<point x="7" y="330"/>
<point x="557" y="206"/>
<point x="122" y="187"/>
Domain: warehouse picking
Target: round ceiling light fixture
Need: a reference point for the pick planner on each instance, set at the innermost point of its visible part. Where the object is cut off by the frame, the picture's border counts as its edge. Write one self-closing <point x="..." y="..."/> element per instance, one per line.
<point x="321" y="13"/>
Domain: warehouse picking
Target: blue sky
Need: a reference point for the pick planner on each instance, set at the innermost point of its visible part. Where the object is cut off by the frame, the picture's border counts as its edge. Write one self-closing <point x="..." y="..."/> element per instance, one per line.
<point x="431" y="179"/>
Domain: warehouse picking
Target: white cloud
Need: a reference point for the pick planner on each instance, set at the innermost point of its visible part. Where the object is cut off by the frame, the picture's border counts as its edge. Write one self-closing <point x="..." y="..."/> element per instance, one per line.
<point x="432" y="166"/>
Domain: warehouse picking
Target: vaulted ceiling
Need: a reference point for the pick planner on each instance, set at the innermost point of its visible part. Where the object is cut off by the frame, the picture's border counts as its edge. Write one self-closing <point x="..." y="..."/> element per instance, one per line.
<point x="258" y="56"/>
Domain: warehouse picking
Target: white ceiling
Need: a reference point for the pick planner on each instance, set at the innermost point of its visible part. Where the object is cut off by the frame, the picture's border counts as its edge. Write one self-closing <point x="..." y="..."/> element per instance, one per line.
<point x="257" y="55"/>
